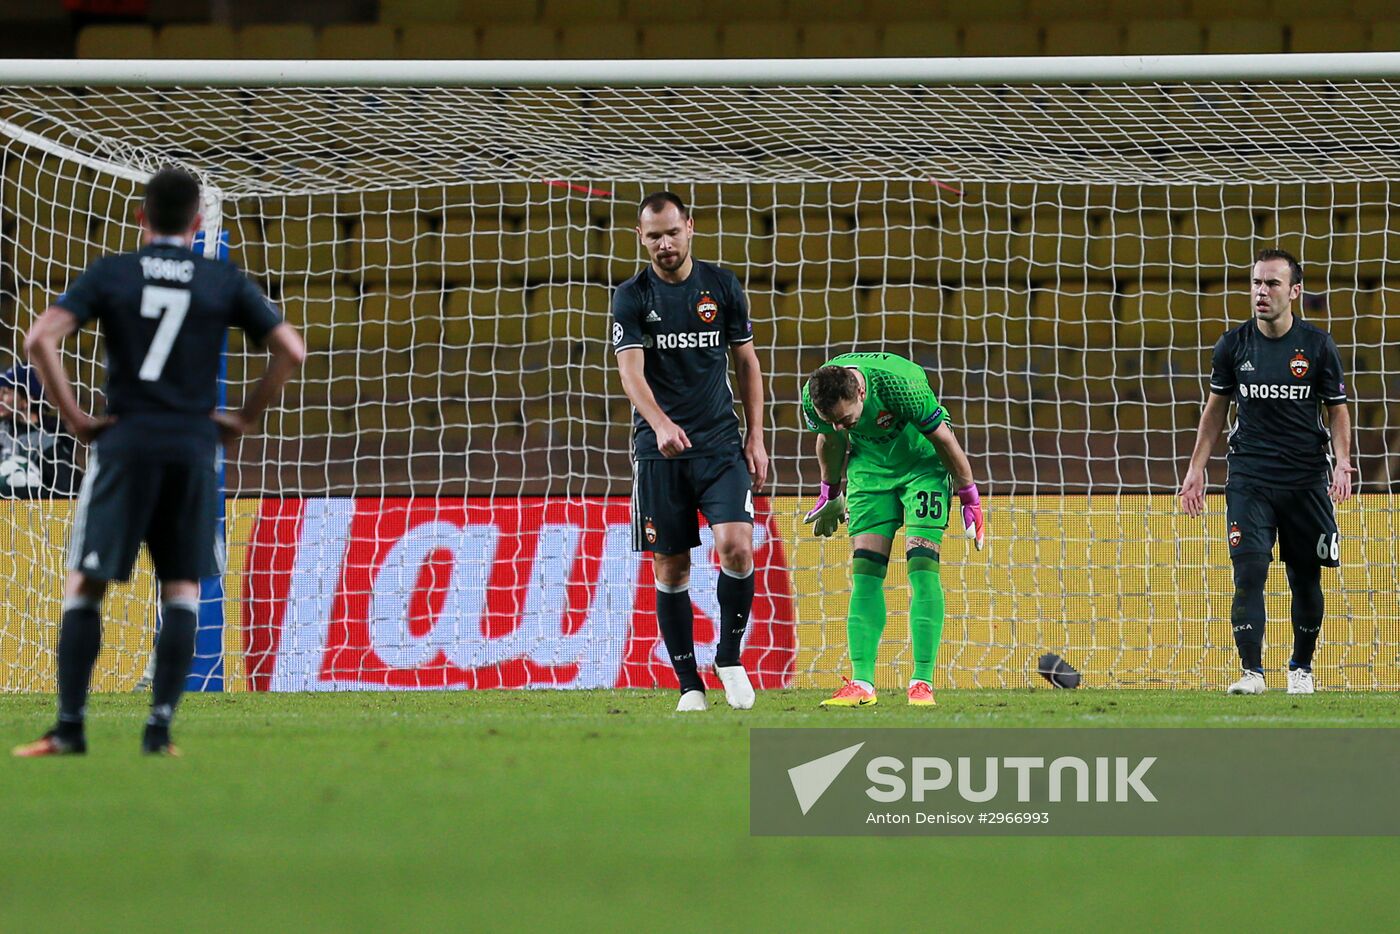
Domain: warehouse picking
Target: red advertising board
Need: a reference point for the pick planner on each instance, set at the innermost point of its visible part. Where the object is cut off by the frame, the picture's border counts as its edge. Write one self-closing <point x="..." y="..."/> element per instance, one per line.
<point x="384" y="594"/>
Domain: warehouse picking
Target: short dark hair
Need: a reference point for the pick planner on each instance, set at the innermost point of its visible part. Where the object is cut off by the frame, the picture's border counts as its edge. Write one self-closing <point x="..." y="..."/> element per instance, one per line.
<point x="172" y="201"/>
<point x="657" y="201"/>
<point x="830" y="385"/>
<point x="1295" y="271"/>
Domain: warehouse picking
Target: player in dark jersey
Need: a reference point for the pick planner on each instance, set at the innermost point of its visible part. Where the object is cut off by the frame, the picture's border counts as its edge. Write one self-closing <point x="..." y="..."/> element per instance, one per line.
<point x="1284" y="375"/>
<point x="676" y="324"/>
<point x="153" y="467"/>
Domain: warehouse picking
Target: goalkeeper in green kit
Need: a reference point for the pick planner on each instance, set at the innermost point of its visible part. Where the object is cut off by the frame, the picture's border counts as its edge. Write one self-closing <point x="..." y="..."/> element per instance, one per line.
<point x="904" y="467"/>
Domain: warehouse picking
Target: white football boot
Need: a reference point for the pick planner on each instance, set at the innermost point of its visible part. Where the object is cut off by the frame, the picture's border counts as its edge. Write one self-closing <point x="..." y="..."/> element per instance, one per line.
<point x="1251" y="682"/>
<point x="737" y="689"/>
<point x="692" y="700"/>
<point x="1300" y="682"/>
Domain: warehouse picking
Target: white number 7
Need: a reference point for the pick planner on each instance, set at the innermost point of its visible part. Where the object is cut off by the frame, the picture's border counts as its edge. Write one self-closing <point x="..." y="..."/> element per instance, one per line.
<point x="170" y="305"/>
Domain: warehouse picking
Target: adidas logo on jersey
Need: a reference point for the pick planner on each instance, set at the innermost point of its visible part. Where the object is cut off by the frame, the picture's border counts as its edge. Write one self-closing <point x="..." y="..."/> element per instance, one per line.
<point x="1247" y="367"/>
<point x="653" y="317"/>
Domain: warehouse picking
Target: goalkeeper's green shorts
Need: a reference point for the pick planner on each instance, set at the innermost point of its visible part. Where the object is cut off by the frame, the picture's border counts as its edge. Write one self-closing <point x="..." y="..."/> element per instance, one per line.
<point x="880" y="503"/>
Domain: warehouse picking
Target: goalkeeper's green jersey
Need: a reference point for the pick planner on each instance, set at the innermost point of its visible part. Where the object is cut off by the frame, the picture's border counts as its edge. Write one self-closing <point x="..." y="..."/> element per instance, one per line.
<point x="900" y="409"/>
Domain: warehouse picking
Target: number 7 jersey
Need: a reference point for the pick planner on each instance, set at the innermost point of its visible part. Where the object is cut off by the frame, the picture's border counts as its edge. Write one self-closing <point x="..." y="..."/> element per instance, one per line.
<point x="165" y="312"/>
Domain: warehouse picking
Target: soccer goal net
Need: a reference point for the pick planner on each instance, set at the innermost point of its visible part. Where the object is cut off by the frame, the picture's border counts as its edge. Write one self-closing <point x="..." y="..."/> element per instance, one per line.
<point x="441" y="498"/>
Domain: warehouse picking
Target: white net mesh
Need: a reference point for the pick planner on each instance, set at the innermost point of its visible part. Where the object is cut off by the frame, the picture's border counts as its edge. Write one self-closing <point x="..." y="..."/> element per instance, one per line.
<point x="1060" y="258"/>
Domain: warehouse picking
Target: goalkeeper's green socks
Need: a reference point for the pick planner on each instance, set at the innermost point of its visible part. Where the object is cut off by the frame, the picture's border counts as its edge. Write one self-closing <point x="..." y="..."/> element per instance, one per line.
<point x="865" y="622"/>
<point x="925" y="610"/>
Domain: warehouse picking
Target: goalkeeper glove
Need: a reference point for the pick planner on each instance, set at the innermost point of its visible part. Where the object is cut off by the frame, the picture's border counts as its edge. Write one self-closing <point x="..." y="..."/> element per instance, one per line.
<point x="973" y="524"/>
<point x="829" y="512"/>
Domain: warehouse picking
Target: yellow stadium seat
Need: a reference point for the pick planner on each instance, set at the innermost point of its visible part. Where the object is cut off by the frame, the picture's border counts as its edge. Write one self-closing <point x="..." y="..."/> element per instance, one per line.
<point x="1327" y="35"/>
<point x="1307" y="233"/>
<point x="1072" y="316"/>
<point x="1385" y="35"/>
<point x="197" y="40"/>
<point x="920" y="40"/>
<point x="1226" y="9"/>
<point x="825" y="319"/>
<point x="1083" y="37"/>
<point x="1164" y="37"/>
<point x="1058" y="10"/>
<point x="519" y="41"/>
<point x="893" y="11"/>
<point x="1122" y="10"/>
<point x="278" y="40"/>
<point x="1052" y="244"/>
<point x="481" y="251"/>
<point x="599" y="40"/>
<point x="993" y="316"/>
<point x="1134" y="244"/>
<point x="574" y="311"/>
<point x="974" y="243"/>
<point x="894" y="248"/>
<point x="117" y="41"/>
<point x="556" y="250"/>
<point x="900" y="315"/>
<point x="1213" y="240"/>
<point x="1154" y="316"/>
<point x="302" y="247"/>
<point x="738" y="240"/>
<point x="960" y="11"/>
<point x="997" y="38"/>
<point x="438" y="41"/>
<point x="813" y="250"/>
<point x="825" y="11"/>
<point x="758" y="39"/>
<point x="727" y="11"/>
<point x="499" y="11"/>
<point x="680" y="40"/>
<point x="1369" y="248"/>
<point x="614" y="254"/>
<point x="1234" y="36"/>
<point x="403" y="12"/>
<point x="317" y="309"/>
<point x="477" y="317"/>
<point x="646" y="12"/>
<point x="247" y="243"/>
<point x="358" y="41"/>
<point x="395" y="247"/>
<point x="840" y="40"/>
<point x="395" y="319"/>
<point x="573" y="12"/>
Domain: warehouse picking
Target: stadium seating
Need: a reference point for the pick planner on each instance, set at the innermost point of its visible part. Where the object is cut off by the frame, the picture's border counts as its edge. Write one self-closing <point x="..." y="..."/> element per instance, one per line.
<point x="599" y="39"/>
<point x="1164" y="37"/>
<point x="1001" y="37"/>
<point x="1327" y="35"/>
<point x="117" y="41"/>
<point x="402" y="12"/>
<point x="1083" y="37"/>
<point x="438" y="41"/>
<point x="680" y="40"/>
<point x="519" y="40"/>
<point x="914" y="39"/>
<point x="1255" y="37"/>
<point x="358" y="41"/>
<point x="289" y="41"/>
<point x="831" y="39"/>
<point x="747" y="38"/>
<point x="197" y="40"/>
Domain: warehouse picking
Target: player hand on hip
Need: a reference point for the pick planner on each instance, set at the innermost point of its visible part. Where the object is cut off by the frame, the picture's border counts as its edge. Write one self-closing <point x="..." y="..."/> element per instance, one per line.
<point x="974" y="524"/>
<point x="756" y="455"/>
<point x="671" y="439"/>
<point x="1193" y="492"/>
<point x="232" y="425"/>
<point x="1340" y="490"/>
<point x="86" y="428"/>
<point x="829" y="512"/>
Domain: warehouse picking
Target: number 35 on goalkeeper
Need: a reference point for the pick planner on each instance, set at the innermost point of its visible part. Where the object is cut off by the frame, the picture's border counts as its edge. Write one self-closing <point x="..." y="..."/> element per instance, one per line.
<point x="879" y="424"/>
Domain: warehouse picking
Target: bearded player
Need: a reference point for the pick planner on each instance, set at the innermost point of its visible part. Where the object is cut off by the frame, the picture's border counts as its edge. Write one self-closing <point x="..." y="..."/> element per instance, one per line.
<point x="1288" y="464"/>
<point x="879" y="424"/>
<point x="677" y="325"/>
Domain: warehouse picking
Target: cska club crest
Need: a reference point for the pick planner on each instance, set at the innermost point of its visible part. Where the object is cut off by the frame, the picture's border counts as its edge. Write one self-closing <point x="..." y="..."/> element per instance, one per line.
<point x="707" y="308"/>
<point x="1298" y="366"/>
<point x="1235" y="534"/>
<point x="650" y="531"/>
<point x="884" y="419"/>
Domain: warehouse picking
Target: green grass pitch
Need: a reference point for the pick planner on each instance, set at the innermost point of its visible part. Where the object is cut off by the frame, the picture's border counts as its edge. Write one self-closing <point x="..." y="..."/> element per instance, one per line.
<point x="569" y="811"/>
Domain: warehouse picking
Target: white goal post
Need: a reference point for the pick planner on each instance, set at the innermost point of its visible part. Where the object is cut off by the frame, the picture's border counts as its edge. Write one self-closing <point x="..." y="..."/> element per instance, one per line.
<point x="440" y="500"/>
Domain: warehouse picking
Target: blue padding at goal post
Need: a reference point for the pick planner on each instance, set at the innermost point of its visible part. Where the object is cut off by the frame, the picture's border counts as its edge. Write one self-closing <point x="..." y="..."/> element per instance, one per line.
<point x="207" y="672"/>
